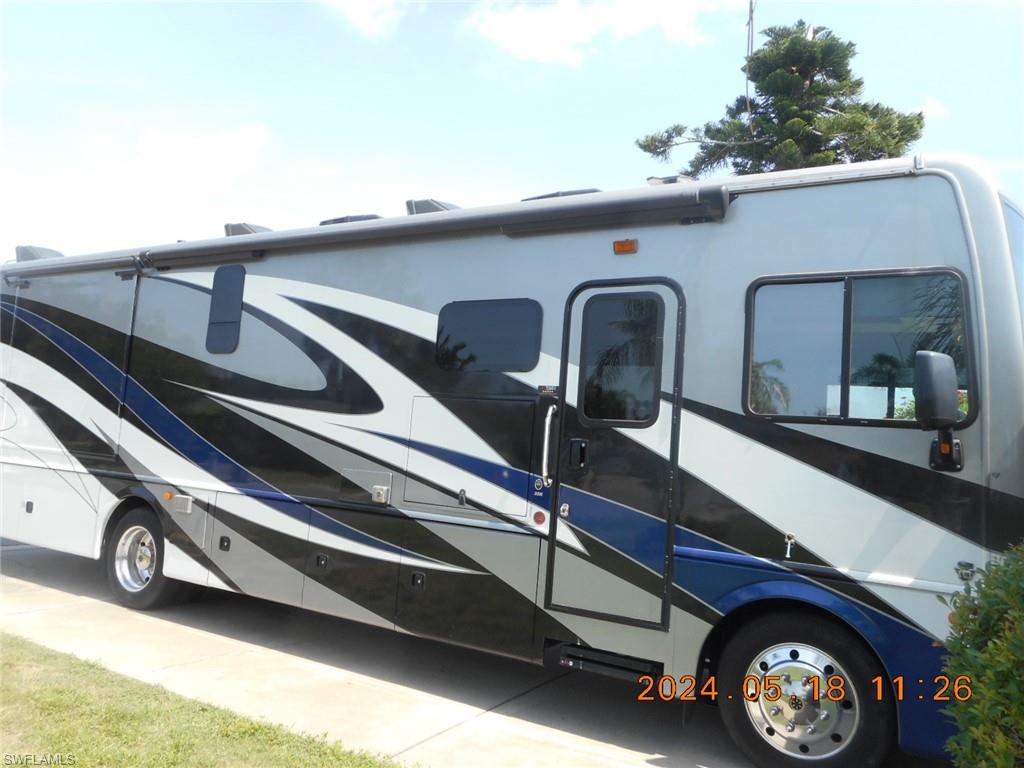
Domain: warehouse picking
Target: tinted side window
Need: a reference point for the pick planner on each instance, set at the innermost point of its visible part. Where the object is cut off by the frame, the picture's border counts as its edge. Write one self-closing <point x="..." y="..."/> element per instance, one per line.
<point x="796" y="356"/>
<point x="225" y="309"/>
<point x="799" y="341"/>
<point x="620" y="359"/>
<point x="893" y="318"/>
<point x="495" y="335"/>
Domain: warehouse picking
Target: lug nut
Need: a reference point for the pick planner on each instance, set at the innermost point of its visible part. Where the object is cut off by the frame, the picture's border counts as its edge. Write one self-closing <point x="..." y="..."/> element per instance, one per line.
<point x="811" y="729"/>
<point x="823" y="715"/>
<point x="786" y="678"/>
<point x="776" y="711"/>
<point x="790" y="726"/>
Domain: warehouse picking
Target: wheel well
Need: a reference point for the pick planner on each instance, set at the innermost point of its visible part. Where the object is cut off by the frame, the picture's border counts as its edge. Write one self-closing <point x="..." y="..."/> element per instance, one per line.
<point x="731" y="623"/>
<point x="123" y="507"/>
<point x="711" y="651"/>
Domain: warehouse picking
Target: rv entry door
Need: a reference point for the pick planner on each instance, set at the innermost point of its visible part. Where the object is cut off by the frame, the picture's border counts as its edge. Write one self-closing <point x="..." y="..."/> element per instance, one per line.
<point x="613" y="448"/>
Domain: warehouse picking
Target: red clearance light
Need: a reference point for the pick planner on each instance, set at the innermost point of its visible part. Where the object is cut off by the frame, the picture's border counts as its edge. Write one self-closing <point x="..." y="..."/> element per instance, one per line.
<point x="621" y="247"/>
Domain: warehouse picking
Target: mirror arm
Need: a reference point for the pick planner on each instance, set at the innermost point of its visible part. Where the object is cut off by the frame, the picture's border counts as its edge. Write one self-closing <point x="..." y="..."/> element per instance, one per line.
<point x="947" y="453"/>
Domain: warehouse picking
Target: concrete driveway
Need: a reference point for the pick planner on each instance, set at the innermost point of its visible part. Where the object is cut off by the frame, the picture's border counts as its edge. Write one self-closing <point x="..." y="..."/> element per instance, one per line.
<point x="418" y="701"/>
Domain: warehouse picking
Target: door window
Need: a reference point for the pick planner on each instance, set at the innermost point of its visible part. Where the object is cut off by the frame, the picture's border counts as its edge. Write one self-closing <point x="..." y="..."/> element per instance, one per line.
<point x="620" y="359"/>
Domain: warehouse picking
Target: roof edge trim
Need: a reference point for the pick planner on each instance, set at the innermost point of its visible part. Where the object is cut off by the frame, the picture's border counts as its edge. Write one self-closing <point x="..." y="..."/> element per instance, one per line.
<point x="687" y="205"/>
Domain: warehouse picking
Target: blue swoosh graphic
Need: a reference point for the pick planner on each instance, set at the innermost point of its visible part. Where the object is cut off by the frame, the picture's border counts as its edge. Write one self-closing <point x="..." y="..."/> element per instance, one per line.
<point x="182" y="438"/>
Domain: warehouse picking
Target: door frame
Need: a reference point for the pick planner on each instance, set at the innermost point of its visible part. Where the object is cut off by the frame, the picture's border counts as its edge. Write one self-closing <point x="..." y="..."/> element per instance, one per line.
<point x="674" y="399"/>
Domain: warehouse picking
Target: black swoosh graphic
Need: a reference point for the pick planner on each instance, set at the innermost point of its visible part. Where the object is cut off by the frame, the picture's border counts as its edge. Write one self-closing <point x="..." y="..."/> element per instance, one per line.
<point x="987" y="517"/>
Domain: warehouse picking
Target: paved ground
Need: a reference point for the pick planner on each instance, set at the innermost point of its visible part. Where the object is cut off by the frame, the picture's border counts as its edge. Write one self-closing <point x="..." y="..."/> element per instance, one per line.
<point x="421" y="702"/>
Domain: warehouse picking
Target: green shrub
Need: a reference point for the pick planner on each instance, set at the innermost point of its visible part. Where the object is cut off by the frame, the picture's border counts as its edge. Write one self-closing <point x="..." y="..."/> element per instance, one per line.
<point x="987" y="644"/>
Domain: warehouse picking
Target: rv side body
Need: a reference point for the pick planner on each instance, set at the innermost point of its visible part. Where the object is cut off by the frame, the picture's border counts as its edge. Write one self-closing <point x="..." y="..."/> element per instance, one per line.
<point x="357" y="445"/>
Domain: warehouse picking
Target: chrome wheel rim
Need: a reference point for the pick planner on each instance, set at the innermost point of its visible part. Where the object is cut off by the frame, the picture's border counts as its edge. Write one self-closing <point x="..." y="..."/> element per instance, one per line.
<point x="135" y="558"/>
<point x="796" y="723"/>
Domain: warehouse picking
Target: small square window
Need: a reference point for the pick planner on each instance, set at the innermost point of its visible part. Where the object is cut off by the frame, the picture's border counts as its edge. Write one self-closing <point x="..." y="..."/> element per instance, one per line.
<point x="489" y="335"/>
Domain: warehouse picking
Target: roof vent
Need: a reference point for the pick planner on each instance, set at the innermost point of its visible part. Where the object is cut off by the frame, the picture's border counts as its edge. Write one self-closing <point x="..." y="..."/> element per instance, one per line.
<point x="428" y="205"/>
<point x="242" y="228"/>
<point x="563" y="193"/>
<point x="657" y="181"/>
<point x="349" y="219"/>
<point x="35" y="253"/>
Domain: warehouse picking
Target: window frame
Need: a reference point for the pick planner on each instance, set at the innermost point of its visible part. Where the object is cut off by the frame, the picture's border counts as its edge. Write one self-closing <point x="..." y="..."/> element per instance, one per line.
<point x="589" y="421"/>
<point x="846" y="278"/>
<point x="513" y="300"/>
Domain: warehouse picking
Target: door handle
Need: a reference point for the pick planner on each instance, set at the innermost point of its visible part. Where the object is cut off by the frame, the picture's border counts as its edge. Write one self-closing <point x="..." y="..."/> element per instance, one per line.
<point x="544" y="456"/>
<point x="578" y="453"/>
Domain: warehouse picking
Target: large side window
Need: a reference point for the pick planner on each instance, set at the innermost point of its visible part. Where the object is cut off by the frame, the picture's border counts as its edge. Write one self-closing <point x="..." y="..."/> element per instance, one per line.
<point x="893" y="318"/>
<point x="796" y="360"/>
<point x="490" y="335"/>
<point x="843" y="348"/>
<point x="620" y="359"/>
<point x="225" y="309"/>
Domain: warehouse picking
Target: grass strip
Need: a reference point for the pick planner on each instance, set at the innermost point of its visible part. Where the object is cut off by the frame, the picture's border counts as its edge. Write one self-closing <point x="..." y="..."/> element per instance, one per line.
<point x="79" y="713"/>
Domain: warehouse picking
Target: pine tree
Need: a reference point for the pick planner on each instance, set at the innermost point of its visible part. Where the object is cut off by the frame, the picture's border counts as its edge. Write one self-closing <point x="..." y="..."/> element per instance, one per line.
<point x="806" y="111"/>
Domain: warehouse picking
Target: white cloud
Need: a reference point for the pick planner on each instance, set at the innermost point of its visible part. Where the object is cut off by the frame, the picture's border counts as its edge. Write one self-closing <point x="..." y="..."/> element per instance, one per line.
<point x="373" y="18"/>
<point x="566" y="31"/>
<point x="101" y="180"/>
<point x="934" y="109"/>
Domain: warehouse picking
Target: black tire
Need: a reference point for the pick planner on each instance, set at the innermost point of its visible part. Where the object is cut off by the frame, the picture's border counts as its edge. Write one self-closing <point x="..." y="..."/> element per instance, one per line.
<point x="857" y="732"/>
<point x="155" y="591"/>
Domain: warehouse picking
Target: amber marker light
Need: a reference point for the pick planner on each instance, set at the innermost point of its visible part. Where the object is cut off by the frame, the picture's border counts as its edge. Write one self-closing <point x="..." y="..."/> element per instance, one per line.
<point x="168" y="495"/>
<point x="622" y="247"/>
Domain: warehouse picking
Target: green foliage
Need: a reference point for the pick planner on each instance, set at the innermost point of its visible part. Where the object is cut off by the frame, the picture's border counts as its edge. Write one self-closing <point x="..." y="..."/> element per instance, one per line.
<point x="805" y="112"/>
<point x="987" y="644"/>
<point x="907" y="409"/>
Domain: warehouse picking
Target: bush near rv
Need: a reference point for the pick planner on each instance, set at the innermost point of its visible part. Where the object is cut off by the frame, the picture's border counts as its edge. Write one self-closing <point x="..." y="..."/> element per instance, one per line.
<point x="987" y="644"/>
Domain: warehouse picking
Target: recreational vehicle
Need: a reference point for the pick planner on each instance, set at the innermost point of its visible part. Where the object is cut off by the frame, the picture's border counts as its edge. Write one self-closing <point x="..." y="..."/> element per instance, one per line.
<point x="729" y="440"/>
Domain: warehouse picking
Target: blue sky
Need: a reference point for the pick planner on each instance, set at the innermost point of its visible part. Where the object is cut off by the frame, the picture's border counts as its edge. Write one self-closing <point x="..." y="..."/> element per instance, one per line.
<point x="128" y="124"/>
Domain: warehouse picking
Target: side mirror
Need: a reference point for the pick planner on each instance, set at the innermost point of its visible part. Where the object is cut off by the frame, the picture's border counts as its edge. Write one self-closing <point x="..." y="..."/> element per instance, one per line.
<point x="937" y="404"/>
<point x="936" y="393"/>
